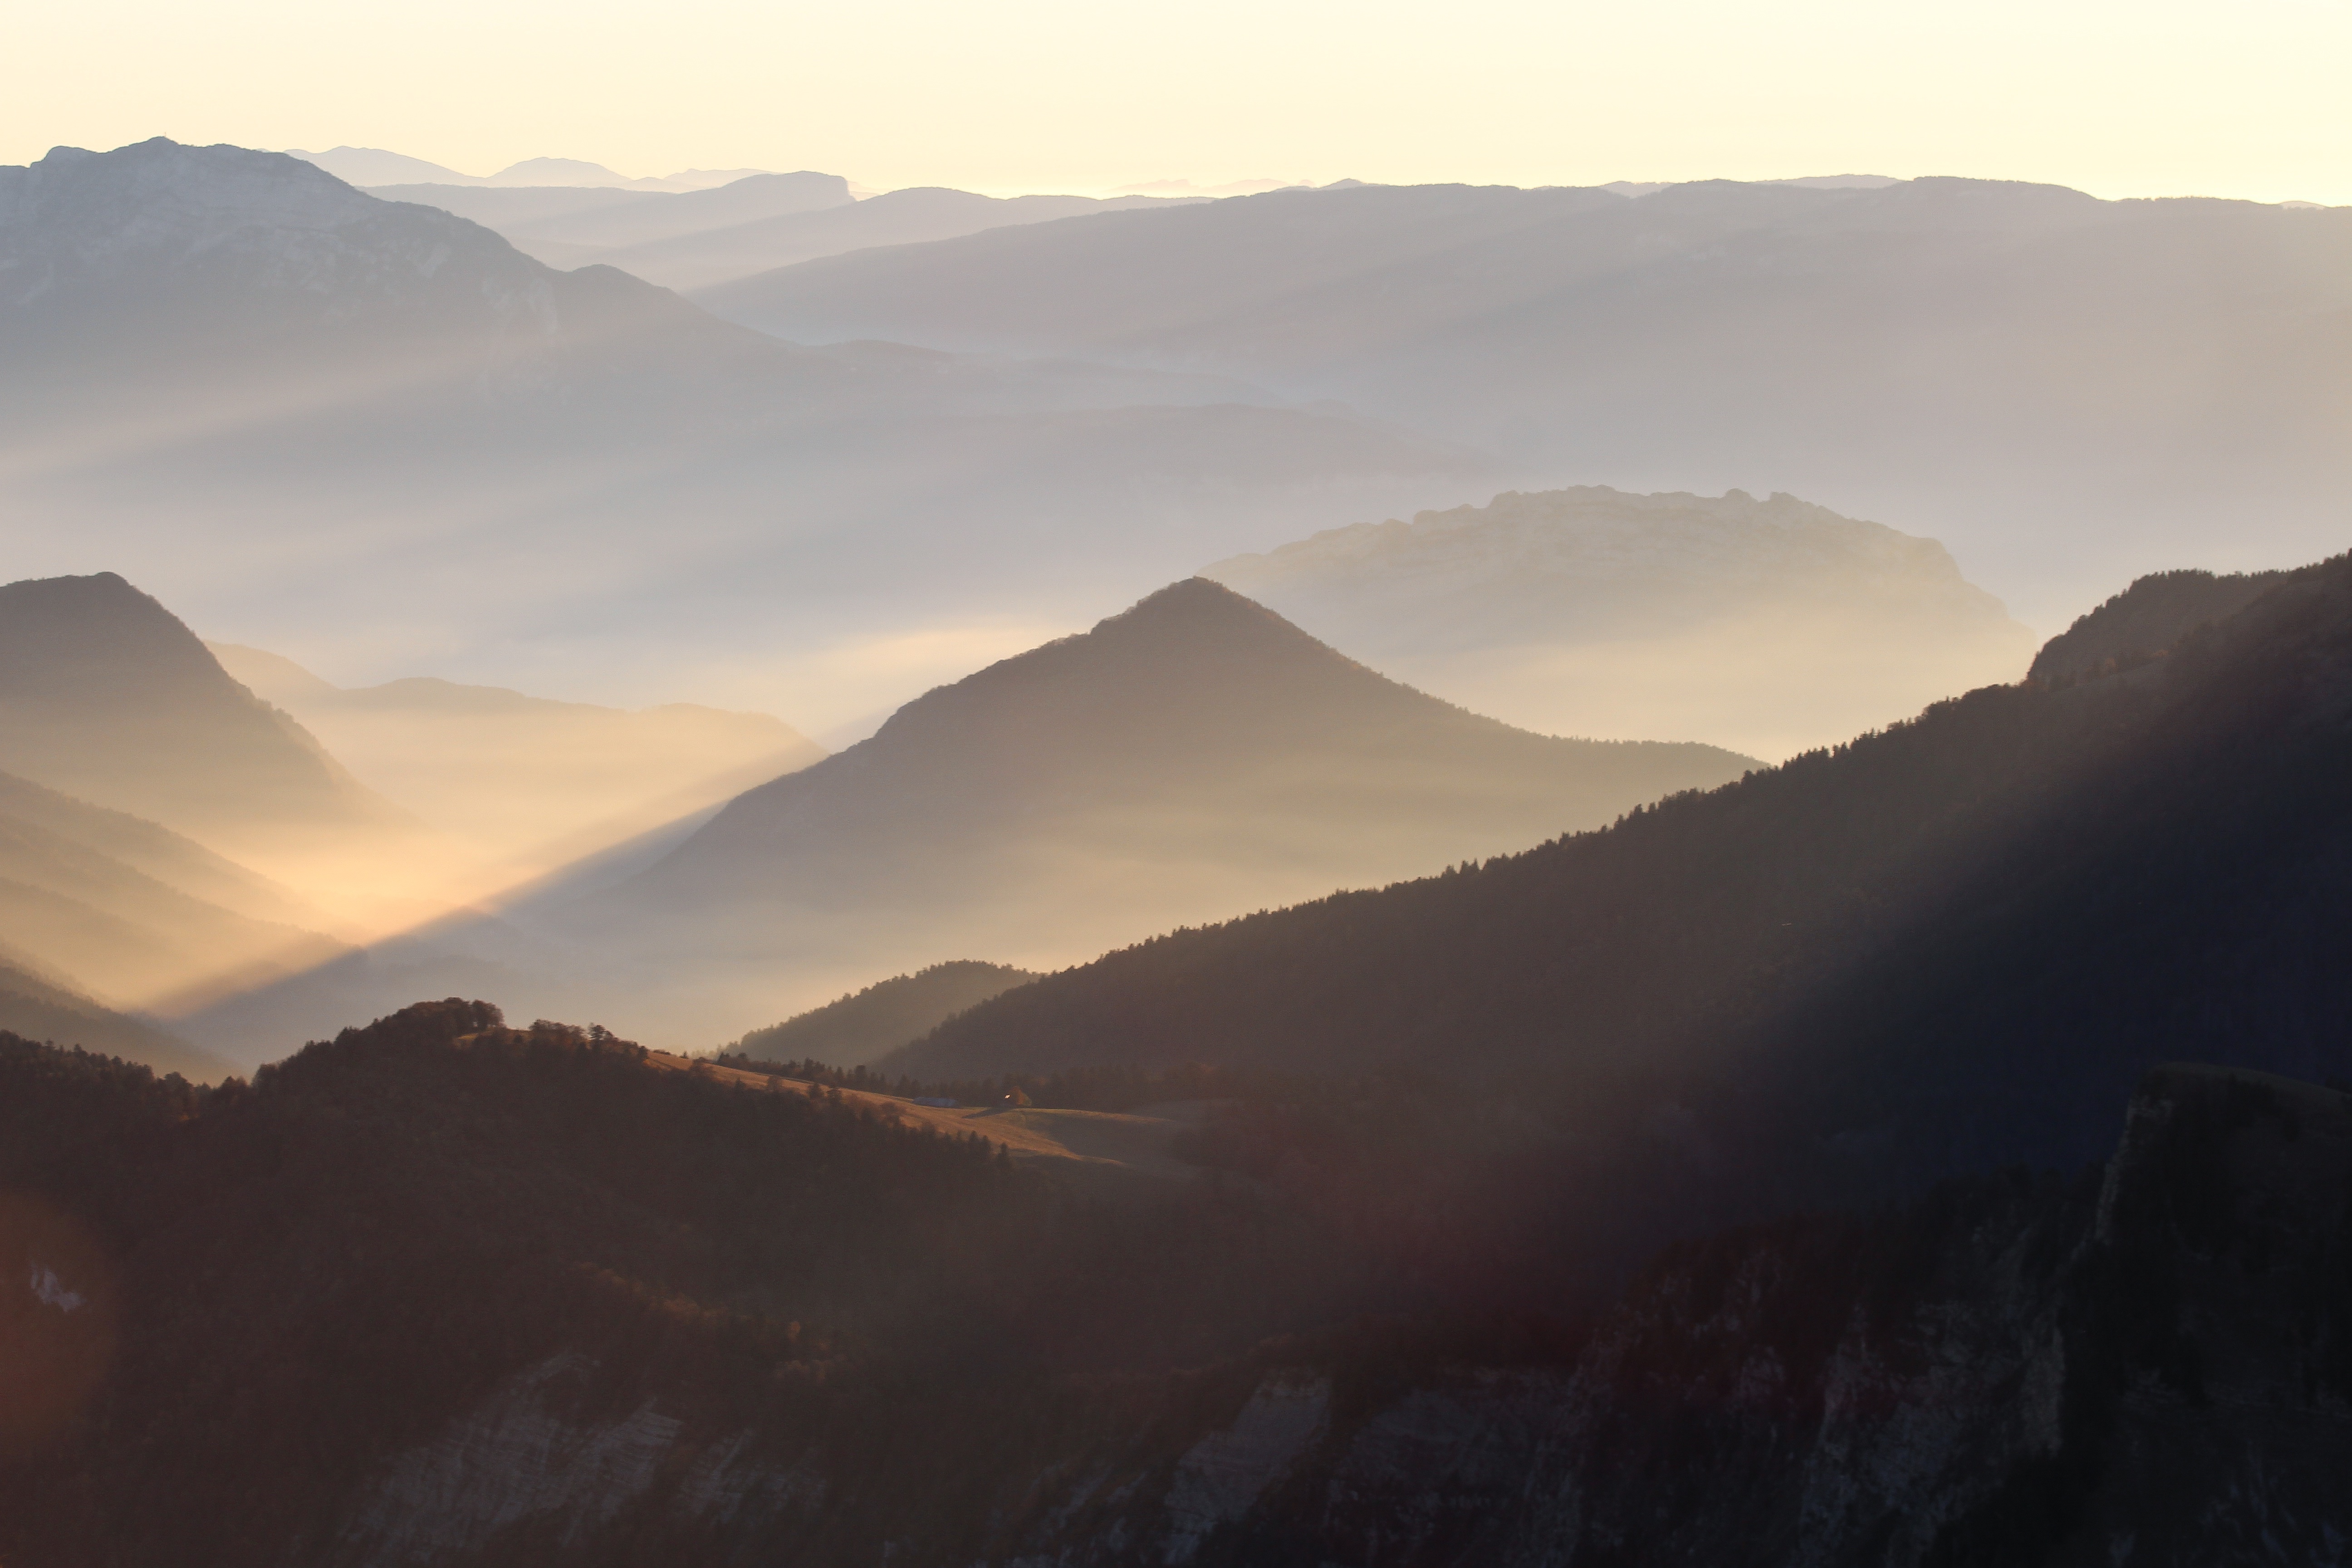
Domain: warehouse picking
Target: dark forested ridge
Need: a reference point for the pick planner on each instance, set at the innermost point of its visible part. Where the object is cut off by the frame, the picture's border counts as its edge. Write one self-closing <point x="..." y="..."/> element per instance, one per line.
<point x="448" y="1292"/>
<point x="2147" y="618"/>
<point x="287" y="1285"/>
<point x="1942" y="946"/>
<point x="883" y="1016"/>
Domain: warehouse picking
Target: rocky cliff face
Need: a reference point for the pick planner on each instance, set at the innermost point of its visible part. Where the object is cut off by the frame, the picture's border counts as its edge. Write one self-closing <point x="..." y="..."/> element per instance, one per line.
<point x="2150" y="1365"/>
<point x="2149" y="1368"/>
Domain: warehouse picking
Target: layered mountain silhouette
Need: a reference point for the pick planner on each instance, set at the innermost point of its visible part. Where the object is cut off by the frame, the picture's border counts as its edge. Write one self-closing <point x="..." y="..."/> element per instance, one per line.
<point x="375" y="166"/>
<point x="529" y="781"/>
<point x="1771" y="627"/>
<point x="106" y="696"/>
<point x="2064" y="389"/>
<point x="215" y="350"/>
<point x="1191" y="756"/>
<point x="1941" y="946"/>
<point x="701" y="238"/>
<point x="136" y="769"/>
<point x="118" y="909"/>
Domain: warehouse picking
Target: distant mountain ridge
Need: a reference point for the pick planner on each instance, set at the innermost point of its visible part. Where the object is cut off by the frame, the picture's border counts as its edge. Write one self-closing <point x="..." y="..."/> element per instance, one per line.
<point x="2062" y="388"/>
<point x="232" y="350"/>
<point x="1192" y="755"/>
<point x="374" y="166"/>
<point x="544" y="782"/>
<point x="705" y="238"/>
<point x="107" y="696"/>
<point x="1769" y="626"/>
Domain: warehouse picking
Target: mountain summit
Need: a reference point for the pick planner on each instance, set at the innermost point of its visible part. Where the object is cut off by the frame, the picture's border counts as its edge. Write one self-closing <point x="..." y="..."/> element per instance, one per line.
<point x="1194" y="756"/>
<point x="105" y="695"/>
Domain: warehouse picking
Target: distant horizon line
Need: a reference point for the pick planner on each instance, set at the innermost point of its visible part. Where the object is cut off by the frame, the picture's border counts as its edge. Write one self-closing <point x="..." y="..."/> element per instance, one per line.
<point x="588" y="175"/>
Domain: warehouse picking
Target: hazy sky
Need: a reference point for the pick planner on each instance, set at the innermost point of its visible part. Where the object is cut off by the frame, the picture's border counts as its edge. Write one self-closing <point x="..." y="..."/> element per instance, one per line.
<point x="2154" y="97"/>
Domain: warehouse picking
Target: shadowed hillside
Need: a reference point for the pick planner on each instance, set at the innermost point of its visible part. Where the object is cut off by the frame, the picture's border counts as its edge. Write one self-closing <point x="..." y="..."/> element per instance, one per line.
<point x="104" y="695"/>
<point x="1942" y="946"/>
<point x="40" y="1008"/>
<point x="445" y="1291"/>
<point x="882" y="1018"/>
<point x="2146" y="619"/>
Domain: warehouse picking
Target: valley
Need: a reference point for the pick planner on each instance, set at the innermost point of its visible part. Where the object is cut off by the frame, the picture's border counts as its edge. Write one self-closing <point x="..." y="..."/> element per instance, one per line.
<point x="741" y="866"/>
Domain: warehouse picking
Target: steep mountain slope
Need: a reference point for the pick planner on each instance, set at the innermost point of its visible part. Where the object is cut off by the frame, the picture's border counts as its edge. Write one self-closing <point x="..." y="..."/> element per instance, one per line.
<point x="2145" y="620"/>
<point x="444" y="1291"/>
<point x="126" y="936"/>
<point x="235" y="272"/>
<point x="41" y="1007"/>
<point x="307" y="412"/>
<point x="1769" y="626"/>
<point x="1194" y="756"/>
<point x="155" y="851"/>
<point x="106" y="696"/>
<point x="543" y="783"/>
<point x="2068" y="391"/>
<point x="1942" y="946"/>
<point x="883" y="1017"/>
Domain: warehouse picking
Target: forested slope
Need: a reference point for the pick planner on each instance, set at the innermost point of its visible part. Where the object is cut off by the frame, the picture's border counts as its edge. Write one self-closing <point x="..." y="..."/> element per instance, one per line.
<point x="1953" y="942"/>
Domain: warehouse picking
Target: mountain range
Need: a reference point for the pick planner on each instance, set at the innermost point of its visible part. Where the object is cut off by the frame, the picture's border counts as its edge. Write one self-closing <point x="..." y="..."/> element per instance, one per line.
<point x="107" y="696"/>
<point x="214" y="345"/>
<point x="1191" y="756"/>
<point x="2067" y="391"/>
<point x="374" y="166"/>
<point x="1773" y="626"/>
<point x="528" y="784"/>
<point x="697" y="239"/>
<point x="1942" y="947"/>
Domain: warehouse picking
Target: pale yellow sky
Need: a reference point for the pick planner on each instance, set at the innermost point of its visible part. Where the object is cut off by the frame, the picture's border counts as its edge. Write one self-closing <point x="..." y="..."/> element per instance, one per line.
<point x="2148" y="98"/>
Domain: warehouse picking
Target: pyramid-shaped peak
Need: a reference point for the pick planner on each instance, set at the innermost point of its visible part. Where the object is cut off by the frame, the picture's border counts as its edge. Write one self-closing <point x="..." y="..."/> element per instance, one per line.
<point x="99" y="625"/>
<point x="1197" y="607"/>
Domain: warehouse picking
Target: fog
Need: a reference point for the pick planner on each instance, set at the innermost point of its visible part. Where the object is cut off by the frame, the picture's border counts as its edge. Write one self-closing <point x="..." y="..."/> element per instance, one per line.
<point x="538" y="594"/>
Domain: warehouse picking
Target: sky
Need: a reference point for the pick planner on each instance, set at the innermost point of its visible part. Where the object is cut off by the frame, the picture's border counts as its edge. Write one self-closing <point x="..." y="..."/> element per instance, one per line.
<point x="2152" y="97"/>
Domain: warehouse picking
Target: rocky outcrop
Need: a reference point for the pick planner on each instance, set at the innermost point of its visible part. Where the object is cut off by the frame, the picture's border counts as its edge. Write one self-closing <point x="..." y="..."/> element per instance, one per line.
<point x="523" y="1466"/>
<point x="2146" y="1368"/>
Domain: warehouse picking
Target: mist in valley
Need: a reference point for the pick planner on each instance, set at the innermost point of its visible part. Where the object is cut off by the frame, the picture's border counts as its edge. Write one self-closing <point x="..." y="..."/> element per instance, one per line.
<point x="833" y="858"/>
